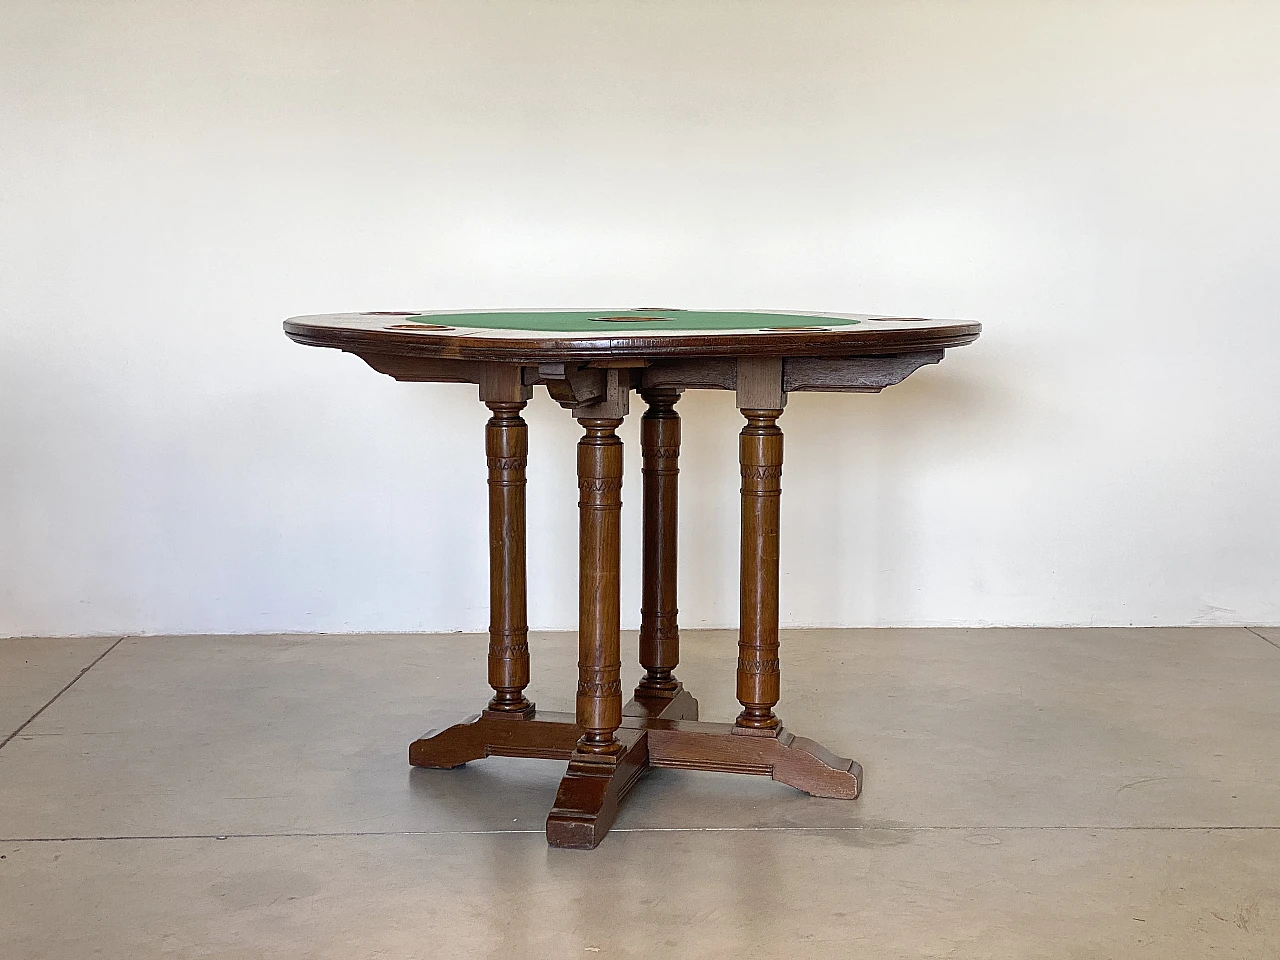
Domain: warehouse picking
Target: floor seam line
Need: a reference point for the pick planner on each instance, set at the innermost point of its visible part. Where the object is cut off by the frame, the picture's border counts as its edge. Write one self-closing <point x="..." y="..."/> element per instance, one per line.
<point x="31" y="719"/>
<point x="539" y="831"/>
<point x="1262" y="638"/>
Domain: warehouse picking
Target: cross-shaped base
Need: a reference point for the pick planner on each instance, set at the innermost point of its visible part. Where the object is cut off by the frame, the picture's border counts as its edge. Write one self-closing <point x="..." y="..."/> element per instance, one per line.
<point x="655" y="732"/>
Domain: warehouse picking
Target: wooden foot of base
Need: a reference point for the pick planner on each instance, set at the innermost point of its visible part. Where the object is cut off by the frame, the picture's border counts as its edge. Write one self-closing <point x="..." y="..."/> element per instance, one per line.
<point x="495" y="735"/>
<point x="587" y="801"/>
<point x="796" y="761"/>
<point x="678" y="705"/>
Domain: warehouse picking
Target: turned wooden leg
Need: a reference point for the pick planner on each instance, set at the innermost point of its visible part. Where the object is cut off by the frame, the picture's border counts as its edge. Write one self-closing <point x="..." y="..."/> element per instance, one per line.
<point x="659" y="693"/>
<point x="660" y="452"/>
<point x="507" y="447"/>
<point x="606" y="761"/>
<point x="599" y="702"/>
<point x="760" y="455"/>
<point x="507" y="450"/>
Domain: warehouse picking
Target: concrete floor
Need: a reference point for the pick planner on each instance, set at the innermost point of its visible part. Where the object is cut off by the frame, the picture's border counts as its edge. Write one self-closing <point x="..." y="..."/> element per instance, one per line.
<point x="1029" y="794"/>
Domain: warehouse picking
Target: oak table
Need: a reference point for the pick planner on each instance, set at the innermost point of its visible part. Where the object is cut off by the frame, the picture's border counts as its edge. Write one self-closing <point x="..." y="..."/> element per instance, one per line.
<point x="590" y="361"/>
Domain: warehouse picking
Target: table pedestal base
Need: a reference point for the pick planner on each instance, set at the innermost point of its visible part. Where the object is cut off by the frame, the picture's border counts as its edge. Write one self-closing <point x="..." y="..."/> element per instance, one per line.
<point x="655" y="732"/>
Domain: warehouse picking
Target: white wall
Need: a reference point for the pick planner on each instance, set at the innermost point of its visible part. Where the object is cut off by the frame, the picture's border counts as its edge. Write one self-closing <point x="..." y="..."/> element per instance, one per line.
<point x="1095" y="181"/>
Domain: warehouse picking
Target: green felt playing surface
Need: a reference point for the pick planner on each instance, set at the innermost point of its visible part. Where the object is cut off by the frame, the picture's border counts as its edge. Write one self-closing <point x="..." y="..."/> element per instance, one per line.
<point x="605" y="322"/>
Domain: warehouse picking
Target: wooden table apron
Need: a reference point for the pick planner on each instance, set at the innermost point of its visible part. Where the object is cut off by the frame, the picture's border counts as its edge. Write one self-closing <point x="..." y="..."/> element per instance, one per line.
<point x="591" y="362"/>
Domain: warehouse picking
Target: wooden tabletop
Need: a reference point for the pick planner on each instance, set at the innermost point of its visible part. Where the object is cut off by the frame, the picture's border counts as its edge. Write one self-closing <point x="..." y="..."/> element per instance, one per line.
<point x="532" y="336"/>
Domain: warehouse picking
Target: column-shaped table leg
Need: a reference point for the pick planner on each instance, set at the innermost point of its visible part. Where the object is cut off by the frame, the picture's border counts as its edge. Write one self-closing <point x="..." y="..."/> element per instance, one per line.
<point x="599" y="702"/>
<point x="760" y="457"/>
<point x="507" y="450"/>
<point x="659" y="693"/>
<point x="606" y="761"/>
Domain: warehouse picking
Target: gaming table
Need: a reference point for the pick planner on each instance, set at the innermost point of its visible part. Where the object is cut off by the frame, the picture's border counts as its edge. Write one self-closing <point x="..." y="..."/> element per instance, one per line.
<point x="590" y="361"/>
